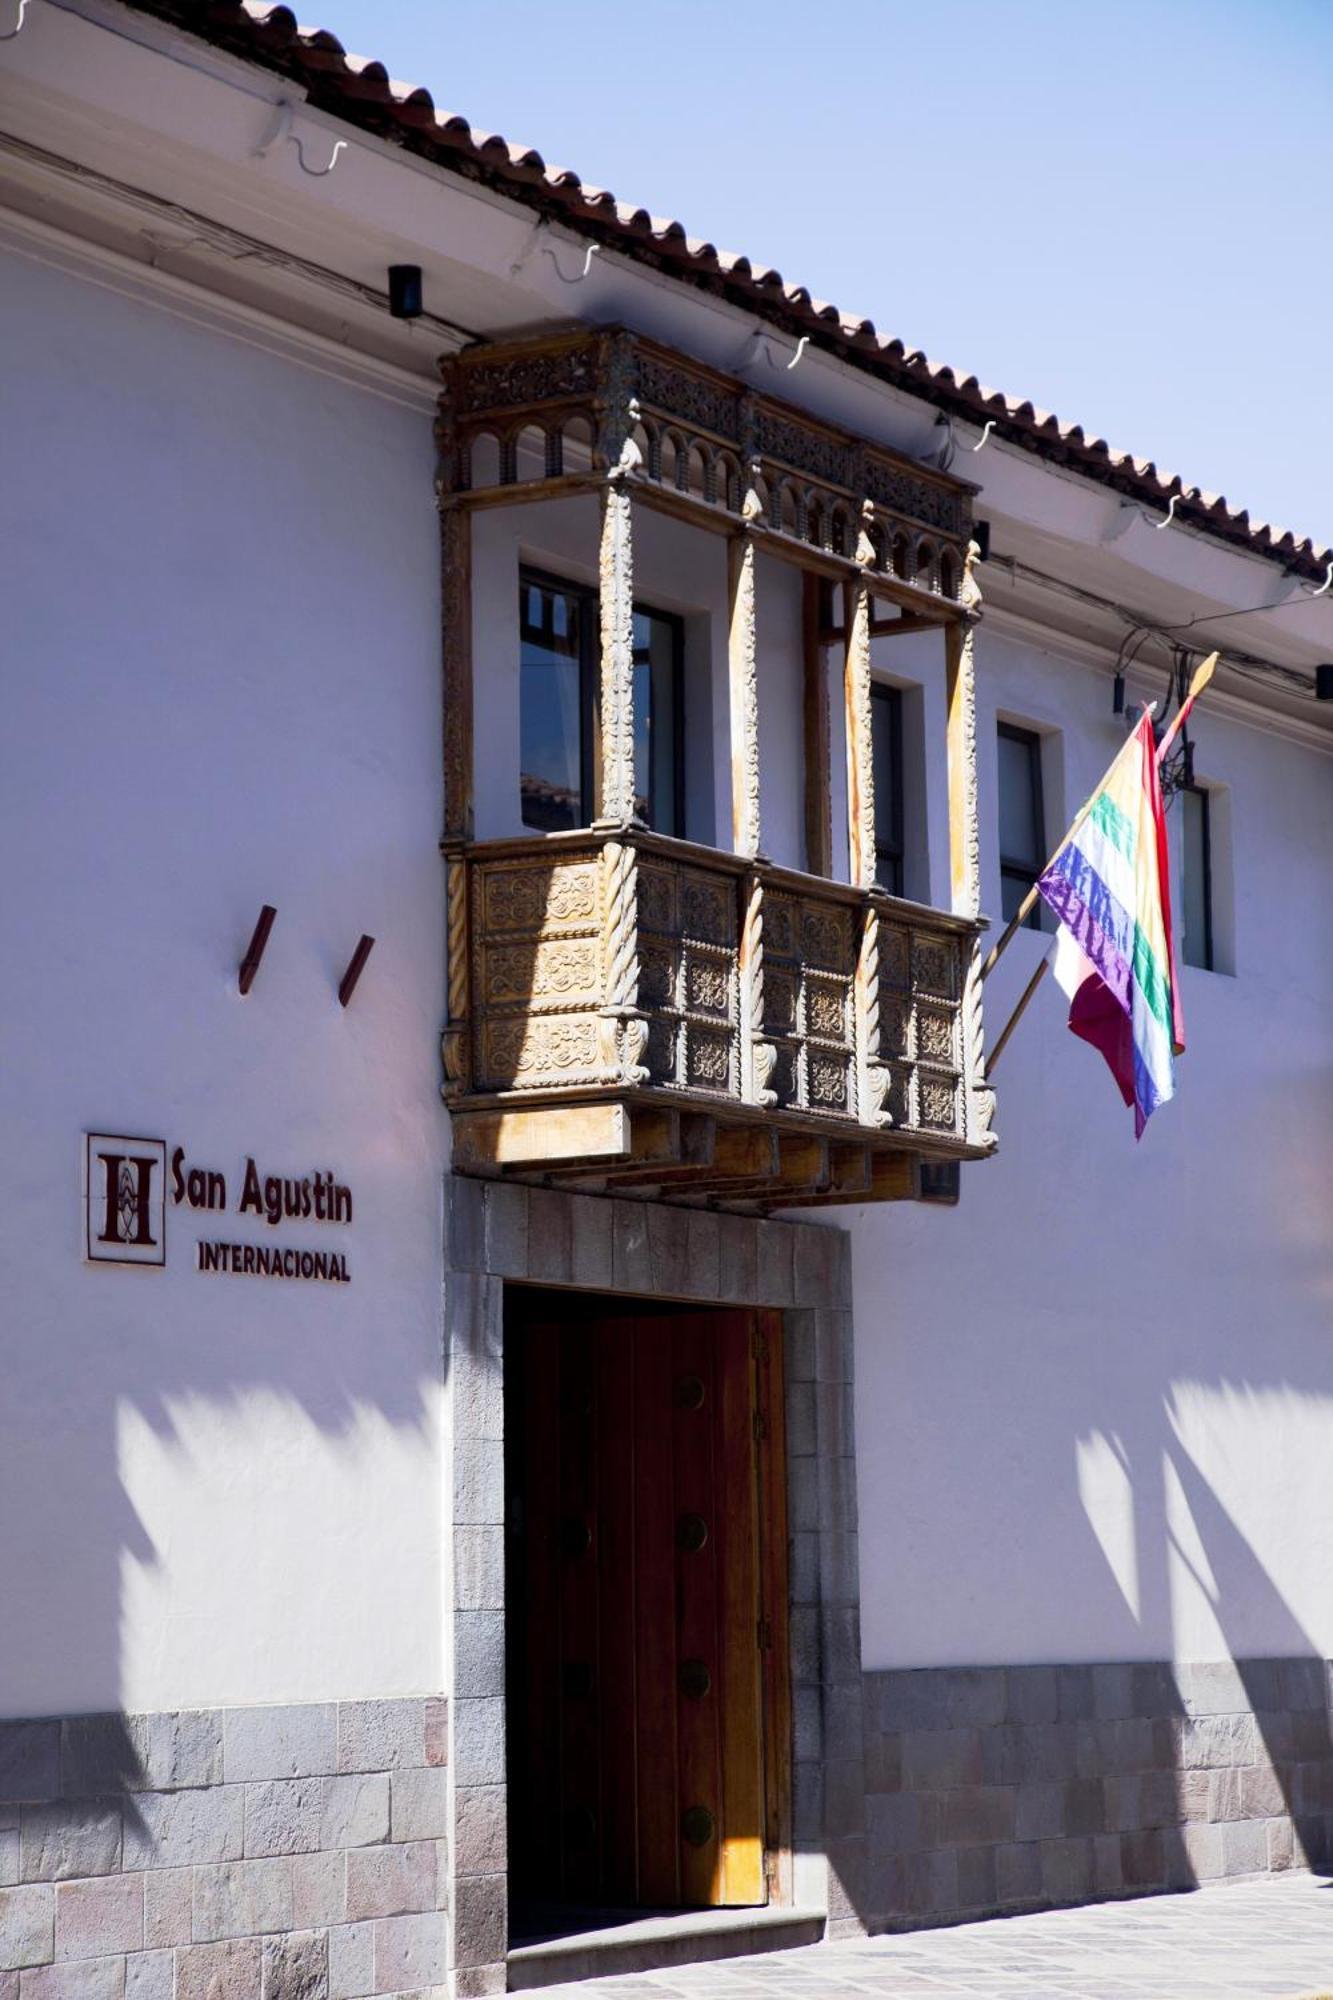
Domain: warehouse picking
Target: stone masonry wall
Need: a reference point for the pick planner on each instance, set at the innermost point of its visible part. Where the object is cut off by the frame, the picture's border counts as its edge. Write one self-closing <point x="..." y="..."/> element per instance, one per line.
<point x="228" y="1854"/>
<point x="1008" y="1788"/>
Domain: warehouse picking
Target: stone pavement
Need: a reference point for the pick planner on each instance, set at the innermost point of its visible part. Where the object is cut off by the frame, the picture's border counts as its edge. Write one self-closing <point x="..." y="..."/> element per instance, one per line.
<point x="1270" y="1937"/>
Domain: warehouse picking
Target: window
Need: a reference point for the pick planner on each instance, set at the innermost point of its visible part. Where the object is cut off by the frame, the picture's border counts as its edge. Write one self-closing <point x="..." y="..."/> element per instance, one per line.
<point x="1196" y="878"/>
<point x="560" y="638"/>
<point x="1022" y="820"/>
<point x="886" y="713"/>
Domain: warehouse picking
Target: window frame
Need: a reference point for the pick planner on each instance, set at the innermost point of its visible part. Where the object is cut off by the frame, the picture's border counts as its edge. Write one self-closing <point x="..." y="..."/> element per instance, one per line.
<point x="533" y="576"/>
<point x="1208" y="963"/>
<point x="885" y="695"/>
<point x="1010" y="867"/>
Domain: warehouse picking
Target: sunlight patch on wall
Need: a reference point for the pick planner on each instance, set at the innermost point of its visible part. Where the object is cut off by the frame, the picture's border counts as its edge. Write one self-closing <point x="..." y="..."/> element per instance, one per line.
<point x="1107" y="1493"/>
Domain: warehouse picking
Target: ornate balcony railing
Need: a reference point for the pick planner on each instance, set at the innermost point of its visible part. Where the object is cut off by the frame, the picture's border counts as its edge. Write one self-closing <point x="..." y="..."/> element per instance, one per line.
<point x="641" y="1011"/>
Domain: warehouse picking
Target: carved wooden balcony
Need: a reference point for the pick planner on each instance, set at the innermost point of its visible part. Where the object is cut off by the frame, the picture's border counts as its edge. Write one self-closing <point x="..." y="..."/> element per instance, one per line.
<point x="652" y="1015"/>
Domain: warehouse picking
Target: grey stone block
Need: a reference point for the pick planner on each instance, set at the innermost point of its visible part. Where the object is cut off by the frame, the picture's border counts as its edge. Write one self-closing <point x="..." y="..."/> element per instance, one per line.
<point x="420" y="1805"/>
<point x="844" y="1727"/>
<point x="1075" y="1685"/>
<point x="1018" y="1872"/>
<point x="631" y="1257"/>
<point x="813" y="1265"/>
<point x="807" y="1801"/>
<point x="1308" y="1734"/>
<point x="1143" y="1859"/>
<point x="913" y="1698"/>
<point x="799" y="1347"/>
<point x="479" y="1652"/>
<point x="1120" y="1803"/>
<point x="177" y="1829"/>
<point x="844" y="1798"/>
<point x="840" y="1638"/>
<point x="412" y="1952"/>
<point x="803" y="1571"/>
<point x="303" y="1815"/>
<point x="106" y="1754"/>
<point x="280" y="1742"/>
<point x="478" y="1469"/>
<point x="940" y="1759"/>
<point x="669" y="1252"/>
<point x="1084" y="1806"/>
<point x="550" y="1248"/>
<point x="1203" y="1850"/>
<point x="833" y="1346"/>
<point x="319" y="1889"/>
<point x="803" y="1495"/>
<point x="296" y="1967"/>
<point x="1066" y="1870"/>
<point x="27" y="1926"/>
<point x="975" y="1697"/>
<point x="475" y="1982"/>
<point x="1302" y="1683"/>
<point x="802" y="1435"/>
<point x="839" y="1567"/>
<point x="1212" y="1687"/>
<point x="381" y="1735"/>
<point x="977" y="1816"/>
<point x="1214" y="1742"/>
<point x="1177" y="1870"/>
<point x="1001" y="1755"/>
<point x="9" y="1858"/>
<point x="1244" y="1847"/>
<point x="479" y="1569"/>
<point x="590" y="1239"/>
<point x="837" y="1491"/>
<point x="167" y="1900"/>
<point x="929" y="1883"/>
<point x="1155" y="1690"/>
<point x="1032" y="1694"/>
<point x="977" y="1888"/>
<point x="480" y="1830"/>
<point x="775" y="1277"/>
<point x="1281" y="1846"/>
<point x="391" y="1881"/>
<point x="65" y="1840"/>
<point x="1039" y="1811"/>
<point x="479" y="1742"/>
<point x="226" y="1971"/>
<point x="1047" y="1750"/>
<point x="474" y="1326"/>
<point x="437" y="1730"/>
<point x="29" y="1761"/>
<point x="703" y="1252"/>
<point x="883" y="1757"/>
<point x="78" y="1979"/>
<point x="1112" y="1693"/>
<point x="1261" y="1793"/>
<point x="807" y="1724"/>
<point x="738" y="1259"/>
<point x="242" y="1899"/>
<point x="902" y="1822"/>
<point x="1161" y="1802"/>
<point x="103" y="1914"/>
<point x="465" y="1201"/>
<point x="506" y="1207"/>
<point x="480" y="1919"/>
<point x="351" y="1961"/>
<point x="150" y="1975"/>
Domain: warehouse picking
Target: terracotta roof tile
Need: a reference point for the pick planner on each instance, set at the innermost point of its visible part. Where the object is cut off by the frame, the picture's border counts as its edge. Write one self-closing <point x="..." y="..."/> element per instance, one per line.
<point x="361" y="91"/>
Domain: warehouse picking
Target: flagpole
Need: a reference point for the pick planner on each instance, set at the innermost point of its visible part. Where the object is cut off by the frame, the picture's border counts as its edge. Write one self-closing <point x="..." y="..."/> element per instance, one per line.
<point x="1017" y="1015"/>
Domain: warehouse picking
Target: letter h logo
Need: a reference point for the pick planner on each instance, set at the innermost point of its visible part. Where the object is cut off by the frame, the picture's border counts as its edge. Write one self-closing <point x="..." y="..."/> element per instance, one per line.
<point x="125" y="1199"/>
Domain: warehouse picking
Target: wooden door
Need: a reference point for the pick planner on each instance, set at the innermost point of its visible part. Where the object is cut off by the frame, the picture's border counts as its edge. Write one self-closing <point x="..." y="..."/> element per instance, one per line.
<point x="636" y="1626"/>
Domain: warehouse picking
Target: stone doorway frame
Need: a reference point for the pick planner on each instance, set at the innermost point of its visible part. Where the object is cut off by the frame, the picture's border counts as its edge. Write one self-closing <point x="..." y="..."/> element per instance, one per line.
<point x="499" y="1232"/>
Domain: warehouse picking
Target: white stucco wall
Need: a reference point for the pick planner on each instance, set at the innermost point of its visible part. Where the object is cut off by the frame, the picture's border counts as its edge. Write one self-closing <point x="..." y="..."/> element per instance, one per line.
<point x="1094" y="1403"/>
<point x="221" y="671"/>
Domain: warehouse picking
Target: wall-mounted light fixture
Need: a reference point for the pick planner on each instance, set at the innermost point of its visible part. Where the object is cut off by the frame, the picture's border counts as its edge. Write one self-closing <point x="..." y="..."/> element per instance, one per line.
<point x="405" y="300"/>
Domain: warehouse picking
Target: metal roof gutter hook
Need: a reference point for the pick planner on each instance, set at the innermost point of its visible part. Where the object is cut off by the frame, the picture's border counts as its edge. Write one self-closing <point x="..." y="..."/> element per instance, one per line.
<point x="12" y="34"/>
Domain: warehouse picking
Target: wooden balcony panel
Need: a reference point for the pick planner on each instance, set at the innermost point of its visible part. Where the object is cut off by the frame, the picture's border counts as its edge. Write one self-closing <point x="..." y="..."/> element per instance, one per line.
<point x="616" y="1059"/>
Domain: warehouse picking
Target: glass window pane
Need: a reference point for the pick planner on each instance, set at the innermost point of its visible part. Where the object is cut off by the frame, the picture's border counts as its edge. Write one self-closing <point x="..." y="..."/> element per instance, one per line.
<point x="550" y="723"/>
<point x="1013" y="888"/>
<point x="1195" y="914"/>
<point x="886" y="713"/>
<point x="1020" y="834"/>
<point x="656" y="723"/>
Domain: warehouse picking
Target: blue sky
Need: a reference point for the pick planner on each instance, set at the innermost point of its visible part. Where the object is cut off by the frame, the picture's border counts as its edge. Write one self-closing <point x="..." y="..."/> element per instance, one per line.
<point x="1114" y="210"/>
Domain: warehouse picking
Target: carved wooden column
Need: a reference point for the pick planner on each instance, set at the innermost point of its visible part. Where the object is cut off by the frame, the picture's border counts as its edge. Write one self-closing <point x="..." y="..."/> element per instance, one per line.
<point x="758" y="1057"/>
<point x="873" y="1074"/>
<point x="456" y="662"/>
<point x="624" y="1026"/>
<point x="965" y="842"/>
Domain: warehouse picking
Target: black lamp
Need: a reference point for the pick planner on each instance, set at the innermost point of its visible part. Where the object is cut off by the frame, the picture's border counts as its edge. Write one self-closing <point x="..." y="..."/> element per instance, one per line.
<point x="405" y="291"/>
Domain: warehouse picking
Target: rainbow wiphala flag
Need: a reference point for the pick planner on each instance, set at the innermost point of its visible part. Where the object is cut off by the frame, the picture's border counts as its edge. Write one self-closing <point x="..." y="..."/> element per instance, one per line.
<point x="1110" y="888"/>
